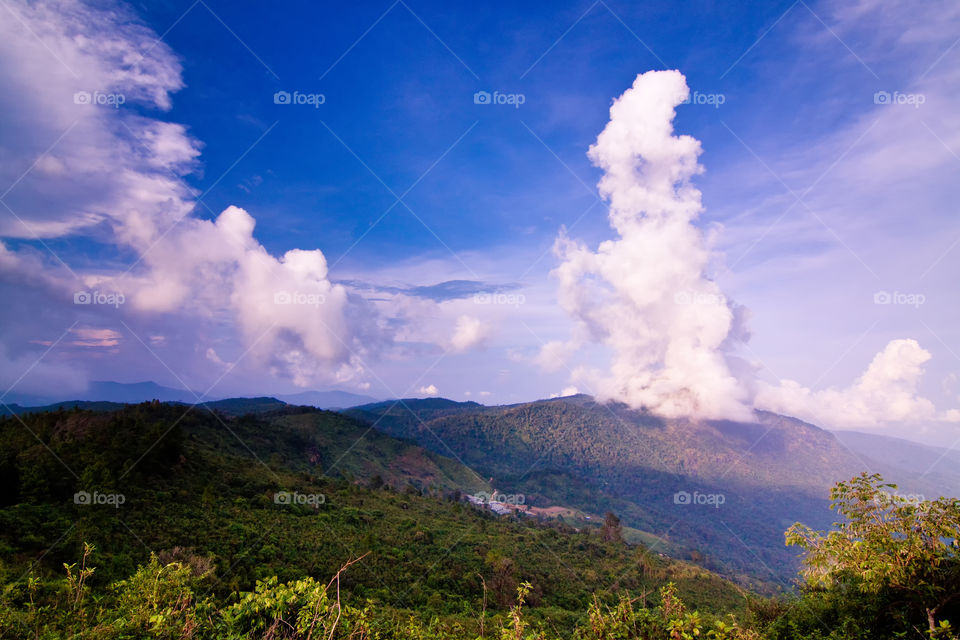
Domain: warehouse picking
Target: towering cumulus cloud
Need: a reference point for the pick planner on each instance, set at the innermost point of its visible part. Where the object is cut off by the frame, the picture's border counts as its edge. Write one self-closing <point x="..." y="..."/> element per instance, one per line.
<point x="646" y="294"/>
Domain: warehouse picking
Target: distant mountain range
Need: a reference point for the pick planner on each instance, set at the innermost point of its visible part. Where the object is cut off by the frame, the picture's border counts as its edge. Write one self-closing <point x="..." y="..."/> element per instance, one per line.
<point x="326" y="399"/>
<point x="132" y="393"/>
<point x="932" y="469"/>
<point x="106" y="391"/>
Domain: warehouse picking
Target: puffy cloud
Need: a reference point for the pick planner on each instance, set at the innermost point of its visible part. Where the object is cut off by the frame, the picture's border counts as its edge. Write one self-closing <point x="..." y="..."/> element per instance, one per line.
<point x="556" y="353"/>
<point x="83" y="164"/>
<point x="116" y="173"/>
<point x="470" y="332"/>
<point x="646" y="294"/>
<point x="287" y="311"/>
<point x="428" y="390"/>
<point x="865" y="179"/>
<point x="886" y="393"/>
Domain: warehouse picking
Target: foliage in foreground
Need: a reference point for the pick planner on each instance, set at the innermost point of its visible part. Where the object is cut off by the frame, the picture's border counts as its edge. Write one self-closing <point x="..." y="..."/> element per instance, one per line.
<point x="432" y="567"/>
<point x="889" y="570"/>
<point x="195" y="494"/>
<point x="163" y="601"/>
<point x="888" y="549"/>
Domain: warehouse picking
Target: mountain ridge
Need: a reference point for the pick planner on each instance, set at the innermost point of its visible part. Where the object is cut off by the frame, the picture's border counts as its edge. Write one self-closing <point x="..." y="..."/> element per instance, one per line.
<point x="298" y="492"/>
<point x="575" y="451"/>
<point x="577" y="454"/>
<point x="137" y="392"/>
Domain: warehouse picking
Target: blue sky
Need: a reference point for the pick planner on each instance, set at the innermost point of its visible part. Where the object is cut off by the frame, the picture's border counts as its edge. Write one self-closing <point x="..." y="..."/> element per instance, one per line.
<point x="816" y="193"/>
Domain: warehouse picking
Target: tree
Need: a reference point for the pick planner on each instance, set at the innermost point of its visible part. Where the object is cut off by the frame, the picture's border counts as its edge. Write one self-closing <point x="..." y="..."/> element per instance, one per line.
<point x="612" y="531"/>
<point x="886" y="544"/>
<point x="503" y="581"/>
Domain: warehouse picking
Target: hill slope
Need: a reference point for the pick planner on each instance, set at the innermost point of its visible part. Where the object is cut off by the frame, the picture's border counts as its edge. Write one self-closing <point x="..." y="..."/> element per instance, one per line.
<point x="925" y="470"/>
<point x="254" y="496"/>
<point x="720" y="491"/>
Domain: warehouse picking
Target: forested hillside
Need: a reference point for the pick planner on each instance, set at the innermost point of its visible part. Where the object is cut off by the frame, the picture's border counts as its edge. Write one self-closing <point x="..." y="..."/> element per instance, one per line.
<point x="297" y="493"/>
<point x="165" y="521"/>
<point x="574" y="451"/>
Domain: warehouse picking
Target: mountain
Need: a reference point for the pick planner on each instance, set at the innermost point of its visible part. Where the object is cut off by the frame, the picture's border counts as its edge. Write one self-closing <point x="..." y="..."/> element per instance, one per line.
<point x="106" y="391"/>
<point x="929" y="471"/>
<point x="719" y="491"/>
<point x="326" y="399"/>
<point x="228" y="406"/>
<point x="137" y="392"/>
<point x="89" y="405"/>
<point x="292" y="493"/>
<point x="133" y="393"/>
<point x="244" y="406"/>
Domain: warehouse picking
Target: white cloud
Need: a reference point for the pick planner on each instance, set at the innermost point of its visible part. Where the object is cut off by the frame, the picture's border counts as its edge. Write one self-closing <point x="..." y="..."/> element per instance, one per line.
<point x="212" y="356"/>
<point x="878" y="183"/>
<point x="115" y="176"/>
<point x="89" y="167"/>
<point x="287" y="311"/>
<point x="886" y="393"/>
<point x="470" y="332"/>
<point x="555" y="354"/>
<point x="646" y="294"/>
<point x="428" y="390"/>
